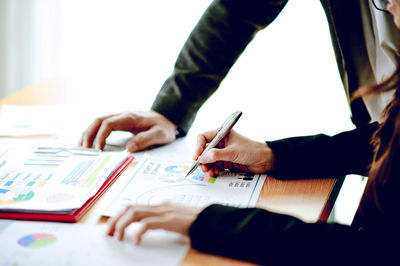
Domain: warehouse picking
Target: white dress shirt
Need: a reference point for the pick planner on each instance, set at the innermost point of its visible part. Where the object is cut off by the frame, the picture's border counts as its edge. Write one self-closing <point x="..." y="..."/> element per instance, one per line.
<point x="382" y="40"/>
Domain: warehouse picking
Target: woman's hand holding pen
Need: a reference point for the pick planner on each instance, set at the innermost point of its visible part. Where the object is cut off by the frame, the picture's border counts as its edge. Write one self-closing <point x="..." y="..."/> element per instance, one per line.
<point x="234" y="152"/>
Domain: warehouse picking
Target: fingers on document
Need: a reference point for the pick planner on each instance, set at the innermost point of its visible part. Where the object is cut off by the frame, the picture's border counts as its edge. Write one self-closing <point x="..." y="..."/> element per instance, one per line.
<point x="90" y="133"/>
<point x="113" y="221"/>
<point x="144" y="139"/>
<point x="147" y="224"/>
<point x="149" y="218"/>
<point x="102" y="127"/>
<point x="106" y="127"/>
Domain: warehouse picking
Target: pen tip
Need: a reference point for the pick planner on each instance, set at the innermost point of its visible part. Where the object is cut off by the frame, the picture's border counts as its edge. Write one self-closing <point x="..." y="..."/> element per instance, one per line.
<point x="189" y="172"/>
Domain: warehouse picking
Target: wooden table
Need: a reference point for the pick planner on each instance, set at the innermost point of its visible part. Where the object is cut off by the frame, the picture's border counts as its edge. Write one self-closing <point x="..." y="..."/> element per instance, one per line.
<point x="310" y="200"/>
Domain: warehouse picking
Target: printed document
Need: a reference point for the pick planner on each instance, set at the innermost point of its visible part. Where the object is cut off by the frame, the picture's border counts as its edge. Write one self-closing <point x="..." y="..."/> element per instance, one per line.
<point x="155" y="180"/>
<point x="48" y="244"/>
<point x="58" y="182"/>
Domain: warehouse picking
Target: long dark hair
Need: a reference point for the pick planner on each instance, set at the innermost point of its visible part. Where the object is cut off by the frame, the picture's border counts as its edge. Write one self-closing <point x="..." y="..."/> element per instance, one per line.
<point x="384" y="172"/>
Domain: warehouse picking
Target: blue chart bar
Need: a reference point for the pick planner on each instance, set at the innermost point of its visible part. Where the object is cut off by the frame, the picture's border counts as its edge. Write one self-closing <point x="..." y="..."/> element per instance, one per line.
<point x="8" y="183"/>
<point x="198" y="175"/>
<point x="74" y="176"/>
<point x="45" y="160"/>
<point x="70" y="179"/>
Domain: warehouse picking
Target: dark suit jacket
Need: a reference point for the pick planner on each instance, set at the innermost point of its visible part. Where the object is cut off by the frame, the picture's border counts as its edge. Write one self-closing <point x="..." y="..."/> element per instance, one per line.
<point x="222" y="34"/>
<point x="267" y="238"/>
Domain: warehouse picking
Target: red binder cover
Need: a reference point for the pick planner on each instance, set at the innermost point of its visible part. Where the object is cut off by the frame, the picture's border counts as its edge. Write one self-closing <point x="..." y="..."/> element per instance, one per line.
<point x="72" y="218"/>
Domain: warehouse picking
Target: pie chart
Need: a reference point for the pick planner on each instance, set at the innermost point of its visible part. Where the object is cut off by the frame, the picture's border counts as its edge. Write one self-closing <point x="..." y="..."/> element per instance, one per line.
<point x="177" y="169"/>
<point x="37" y="240"/>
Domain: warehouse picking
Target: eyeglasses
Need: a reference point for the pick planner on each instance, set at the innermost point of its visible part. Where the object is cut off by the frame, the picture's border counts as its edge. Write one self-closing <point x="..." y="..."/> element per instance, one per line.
<point x="381" y="5"/>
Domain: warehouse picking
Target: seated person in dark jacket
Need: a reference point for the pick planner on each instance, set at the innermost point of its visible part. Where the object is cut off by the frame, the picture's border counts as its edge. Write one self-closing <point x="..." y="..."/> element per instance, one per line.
<point x="263" y="237"/>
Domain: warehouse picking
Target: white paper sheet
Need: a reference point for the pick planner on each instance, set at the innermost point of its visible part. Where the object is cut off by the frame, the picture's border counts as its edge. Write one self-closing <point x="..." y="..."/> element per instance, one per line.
<point x="45" y="120"/>
<point x="155" y="180"/>
<point x="31" y="120"/>
<point x="43" y="244"/>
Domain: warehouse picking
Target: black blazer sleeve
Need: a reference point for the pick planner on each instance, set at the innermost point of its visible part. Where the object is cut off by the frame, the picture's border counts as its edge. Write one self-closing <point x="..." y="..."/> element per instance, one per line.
<point x="220" y="36"/>
<point x="267" y="238"/>
<point x="324" y="156"/>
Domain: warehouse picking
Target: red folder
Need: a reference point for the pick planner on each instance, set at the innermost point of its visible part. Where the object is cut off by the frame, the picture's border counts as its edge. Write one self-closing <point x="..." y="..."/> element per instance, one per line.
<point x="74" y="217"/>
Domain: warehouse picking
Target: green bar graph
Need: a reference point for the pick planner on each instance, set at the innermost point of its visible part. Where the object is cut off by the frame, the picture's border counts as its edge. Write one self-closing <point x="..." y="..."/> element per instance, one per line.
<point x="94" y="174"/>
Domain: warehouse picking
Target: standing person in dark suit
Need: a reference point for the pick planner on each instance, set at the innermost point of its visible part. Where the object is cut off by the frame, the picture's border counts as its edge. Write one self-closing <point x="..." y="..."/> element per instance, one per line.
<point x="267" y="238"/>
<point x="365" y="41"/>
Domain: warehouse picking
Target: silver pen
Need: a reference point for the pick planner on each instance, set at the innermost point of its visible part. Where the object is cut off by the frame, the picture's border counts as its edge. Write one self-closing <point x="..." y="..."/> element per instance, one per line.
<point x="222" y="132"/>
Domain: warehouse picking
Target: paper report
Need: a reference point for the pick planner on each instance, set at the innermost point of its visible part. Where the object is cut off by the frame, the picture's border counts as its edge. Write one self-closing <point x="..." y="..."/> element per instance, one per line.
<point x="155" y="181"/>
<point x="60" y="182"/>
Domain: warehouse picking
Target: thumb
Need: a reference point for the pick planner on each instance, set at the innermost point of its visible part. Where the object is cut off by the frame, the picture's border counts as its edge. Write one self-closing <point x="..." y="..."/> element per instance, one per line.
<point x="214" y="154"/>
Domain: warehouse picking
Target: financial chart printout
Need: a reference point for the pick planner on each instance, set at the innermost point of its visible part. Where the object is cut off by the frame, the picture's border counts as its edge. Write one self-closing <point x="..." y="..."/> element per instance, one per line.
<point x="51" y="182"/>
<point x="155" y="181"/>
<point x="62" y="244"/>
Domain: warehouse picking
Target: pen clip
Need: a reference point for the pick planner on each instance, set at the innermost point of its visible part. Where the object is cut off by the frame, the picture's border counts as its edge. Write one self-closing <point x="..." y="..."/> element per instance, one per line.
<point x="233" y="116"/>
<point x="225" y="122"/>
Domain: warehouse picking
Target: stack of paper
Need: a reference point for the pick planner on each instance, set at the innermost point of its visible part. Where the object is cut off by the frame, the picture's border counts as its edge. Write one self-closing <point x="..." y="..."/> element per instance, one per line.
<point x="58" y="182"/>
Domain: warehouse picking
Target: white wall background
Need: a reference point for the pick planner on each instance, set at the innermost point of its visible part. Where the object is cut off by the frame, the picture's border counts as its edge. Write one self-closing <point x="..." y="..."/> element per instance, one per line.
<point x="28" y="43"/>
<point x="118" y="53"/>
